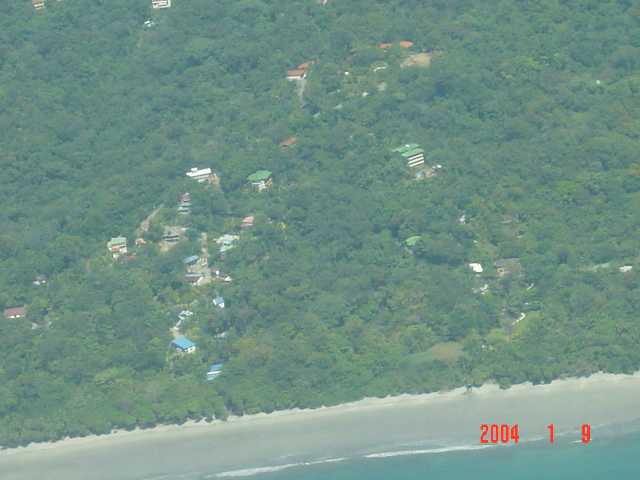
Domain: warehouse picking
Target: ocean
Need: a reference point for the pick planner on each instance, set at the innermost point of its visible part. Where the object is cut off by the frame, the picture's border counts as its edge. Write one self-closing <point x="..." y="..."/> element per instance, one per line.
<point x="608" y="457"/>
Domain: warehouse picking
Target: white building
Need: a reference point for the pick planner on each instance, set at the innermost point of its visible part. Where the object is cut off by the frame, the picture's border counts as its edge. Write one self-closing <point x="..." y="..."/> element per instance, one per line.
<point x="476" y="267"/>
<point x="203" y="175"/>
<point x="161" y="3"/>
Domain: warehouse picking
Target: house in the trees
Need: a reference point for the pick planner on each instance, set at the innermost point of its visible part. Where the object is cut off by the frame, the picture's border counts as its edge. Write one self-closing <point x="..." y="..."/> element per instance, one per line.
<point x="214" y="371"/>
<point x="412" y="153"/>
<point x="476" y="267"/>
<point x="226" y="242"/>
<point x="117" y="246"/>
<point x="191" y="260"/>
<point x="218" y="302"/>
<point x="37" y="4"/>
<point x="508" y="266"/>
<point x="405" y="43"/>
<point x="194" y="278"/>
<point x="412" y="241"/>
<point x="183" y="345"/>
<point x="247" y="222"/>
<point x="299" y="73"/>
<point x="296" y="74"/>
<point x="260" y="180"/>
<point x="184" y="204"/>
<point x="204" y="175"/>
<point x="625" y="268"/>
<point x="40" y="280"/>
<point x="288" y="142"/>
<point x="171" y="234"/>
<point x="414" y="158"/>
<point x="15" y="312"/>
<point x="161" y="3"/>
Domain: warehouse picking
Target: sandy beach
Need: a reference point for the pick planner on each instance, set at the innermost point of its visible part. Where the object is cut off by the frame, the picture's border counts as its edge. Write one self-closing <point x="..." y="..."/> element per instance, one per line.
<point x="366" y="427"/>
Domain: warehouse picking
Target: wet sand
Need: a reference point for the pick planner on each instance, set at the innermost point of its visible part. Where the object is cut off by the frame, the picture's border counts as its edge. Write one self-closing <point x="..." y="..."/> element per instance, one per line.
<point x="370" y="426"/>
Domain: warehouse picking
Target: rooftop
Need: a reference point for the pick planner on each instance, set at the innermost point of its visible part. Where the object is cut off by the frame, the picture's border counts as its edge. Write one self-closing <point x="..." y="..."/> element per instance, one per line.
<point x="406" y="147"/>
<point x="289" y="142"/>
<point x="259" y="176"/>
<point x="190" y="259"/>
<point x="14" y="312"/>
<point x="411" y="241"/>
<point x="183" y="343"/>
<point x="412" y="152"/>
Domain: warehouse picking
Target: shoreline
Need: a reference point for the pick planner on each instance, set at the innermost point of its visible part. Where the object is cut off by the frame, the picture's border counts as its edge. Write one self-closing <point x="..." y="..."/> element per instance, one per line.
<point x="407" y="424"/>
<point x="363" y="404"/>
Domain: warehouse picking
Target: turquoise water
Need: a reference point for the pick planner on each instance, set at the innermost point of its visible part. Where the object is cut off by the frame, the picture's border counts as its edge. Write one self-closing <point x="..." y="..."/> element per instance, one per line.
<point x="615" y="457"/>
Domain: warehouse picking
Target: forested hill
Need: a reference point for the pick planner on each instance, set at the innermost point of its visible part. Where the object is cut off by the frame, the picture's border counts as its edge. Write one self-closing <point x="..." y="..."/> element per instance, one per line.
<point x="355" y="278"/>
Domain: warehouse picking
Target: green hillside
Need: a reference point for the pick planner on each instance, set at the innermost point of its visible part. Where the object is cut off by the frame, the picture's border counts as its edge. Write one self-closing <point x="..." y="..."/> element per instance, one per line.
<point x="528" y="118"/>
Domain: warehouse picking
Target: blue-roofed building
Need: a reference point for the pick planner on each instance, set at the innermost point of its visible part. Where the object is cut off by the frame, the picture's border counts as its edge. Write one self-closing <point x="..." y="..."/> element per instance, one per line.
<point x="183" y="345"/>
<point x="214" y="371"/>
<point x="191" y="260"/>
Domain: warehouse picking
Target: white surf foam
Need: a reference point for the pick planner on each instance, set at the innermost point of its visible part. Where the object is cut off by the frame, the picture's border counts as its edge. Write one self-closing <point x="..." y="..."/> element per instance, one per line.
<point x="401" y="453"/>
<point x="248" y="472"/>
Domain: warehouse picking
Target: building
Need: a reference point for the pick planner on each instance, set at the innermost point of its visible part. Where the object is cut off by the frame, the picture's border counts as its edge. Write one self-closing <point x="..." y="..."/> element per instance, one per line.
<point x="171" y="234"/>
<point x="38" y="4"/>
<point x="40" y="280"/>
<point x="184" y="314"/>
<point x="194" y="278"/>
<point x="226" y="242"/>
<point x="288" y="142"/>
<point x="412" y="241"/>
<point x="184" y="204"/>
<point x="218" y="302"/>
<point x="385" y="46"/>
<point x="299" y="73"/>
<point x="227" y="239"/>
<point x="412" y="153"/>
<point x="117" y="246"/>
<point x="15" y="312"/>
<point x="203" y="175"/>
<point x="625" y="268"/>
<point x="508" y="266"/>
<point x="405" y="43"/>
<point x="183" y="345"/>
<point x="191" y="260"/>
<point x="140" y="242"/>
<point x="215" y="371"/>
<point x="161" y="3"/>
<point x="296" y="74"/>
<point x="260" y="180"/>
<point x="414" y="157"/>
<point x="247" y="222"/>
<point x="476" y="267"/>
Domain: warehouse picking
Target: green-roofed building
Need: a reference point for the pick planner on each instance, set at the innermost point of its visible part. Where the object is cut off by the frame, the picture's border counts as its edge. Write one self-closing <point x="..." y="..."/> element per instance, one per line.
<point x="260" y="180"/>
<point x="404" y="148"/>
<point x="411" y="241"/>
<point x="413" y="152"/>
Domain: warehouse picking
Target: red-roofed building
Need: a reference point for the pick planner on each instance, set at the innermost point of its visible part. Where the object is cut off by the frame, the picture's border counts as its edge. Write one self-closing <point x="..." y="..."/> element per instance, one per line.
<point x="296" y="74"/>
<point x="406" y="44"/>
<point x="247" y="222"/>
<point x="385" y="46"/>
<point x="15" y="312"/>
<point x="288" y="142"/>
